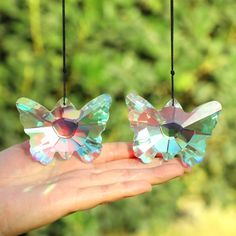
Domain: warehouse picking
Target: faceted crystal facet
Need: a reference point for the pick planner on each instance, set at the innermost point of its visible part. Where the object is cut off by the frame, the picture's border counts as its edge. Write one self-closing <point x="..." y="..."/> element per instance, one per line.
<point x="64" y="128"/>
<point x="171" y="131"/>
<point x="64" y="131"/>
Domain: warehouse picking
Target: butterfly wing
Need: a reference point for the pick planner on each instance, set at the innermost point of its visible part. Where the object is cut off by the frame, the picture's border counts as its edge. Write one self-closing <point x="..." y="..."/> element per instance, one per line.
<point x="202" y="121"/>
<point x="145" y="122"/>
<point x="37" y="120"/>
<point x="91" y="124"/>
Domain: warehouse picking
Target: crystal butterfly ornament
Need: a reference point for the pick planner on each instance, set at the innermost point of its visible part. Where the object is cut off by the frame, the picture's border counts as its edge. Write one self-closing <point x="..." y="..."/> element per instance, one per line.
<point x="171" y="131"/>
<point x="64" y="131"/>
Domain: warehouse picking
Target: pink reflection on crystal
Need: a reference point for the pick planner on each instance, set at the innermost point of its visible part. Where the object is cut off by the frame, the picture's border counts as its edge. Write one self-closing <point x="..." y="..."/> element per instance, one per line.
<point x="64" y="128"/>
<point x="64" y="131"/>
<point x="171" y="131"/>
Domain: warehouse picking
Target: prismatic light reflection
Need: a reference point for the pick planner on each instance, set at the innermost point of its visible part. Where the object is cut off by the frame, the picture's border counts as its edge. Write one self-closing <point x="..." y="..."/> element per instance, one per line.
<point x="64" y="131"/>
<point x="171" y="131"/>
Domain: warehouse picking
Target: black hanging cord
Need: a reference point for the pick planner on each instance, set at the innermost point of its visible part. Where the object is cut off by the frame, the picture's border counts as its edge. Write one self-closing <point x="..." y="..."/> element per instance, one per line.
<point x="172" y="72"/>
<point x="64" y="70"/>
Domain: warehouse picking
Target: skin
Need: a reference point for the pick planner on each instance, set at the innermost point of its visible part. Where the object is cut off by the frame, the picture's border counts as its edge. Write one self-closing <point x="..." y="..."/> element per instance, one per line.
<point x="33" y="195"/>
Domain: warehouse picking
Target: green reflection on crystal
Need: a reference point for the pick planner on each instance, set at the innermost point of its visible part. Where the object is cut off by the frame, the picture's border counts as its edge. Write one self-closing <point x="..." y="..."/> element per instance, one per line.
<point x="64" y="131"/>
<point x="171" y="131"/>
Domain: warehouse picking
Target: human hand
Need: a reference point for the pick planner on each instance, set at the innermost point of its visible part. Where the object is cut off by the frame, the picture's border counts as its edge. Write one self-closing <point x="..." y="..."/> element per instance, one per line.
<point x="33" y="195"/>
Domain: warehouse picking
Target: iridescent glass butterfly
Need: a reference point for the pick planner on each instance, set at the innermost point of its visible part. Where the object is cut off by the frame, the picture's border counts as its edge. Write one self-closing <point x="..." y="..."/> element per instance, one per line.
<point x="64" y="131"/>
<point x="171" y="131"/>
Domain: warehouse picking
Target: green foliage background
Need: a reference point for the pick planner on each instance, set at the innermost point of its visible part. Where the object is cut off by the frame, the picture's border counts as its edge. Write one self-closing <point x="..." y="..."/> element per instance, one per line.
<point x="116" y="47"/>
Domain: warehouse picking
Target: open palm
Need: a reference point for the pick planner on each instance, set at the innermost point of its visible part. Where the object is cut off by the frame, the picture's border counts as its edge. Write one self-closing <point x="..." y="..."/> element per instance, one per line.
<point x="33" y="195"/>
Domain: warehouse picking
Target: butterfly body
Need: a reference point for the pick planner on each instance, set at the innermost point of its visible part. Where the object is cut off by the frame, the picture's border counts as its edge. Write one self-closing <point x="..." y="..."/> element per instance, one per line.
<point x="64" y="131"/>
<point x="171" y="131"/>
